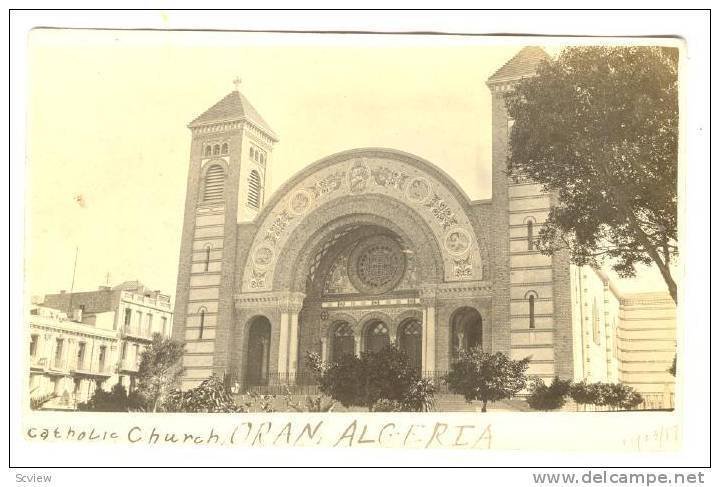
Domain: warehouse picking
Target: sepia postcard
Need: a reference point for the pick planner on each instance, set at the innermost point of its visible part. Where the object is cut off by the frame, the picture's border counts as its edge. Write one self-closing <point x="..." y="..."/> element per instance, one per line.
<point x="258" y="240"/>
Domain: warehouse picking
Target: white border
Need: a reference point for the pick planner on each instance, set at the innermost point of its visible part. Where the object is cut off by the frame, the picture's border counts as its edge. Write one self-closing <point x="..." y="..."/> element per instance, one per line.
<point x="693" y="26"/>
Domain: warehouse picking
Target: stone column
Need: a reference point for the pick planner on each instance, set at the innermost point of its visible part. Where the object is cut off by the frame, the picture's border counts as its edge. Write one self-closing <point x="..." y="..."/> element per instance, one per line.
<point x="323" y="349"/>
<point x="427" y="299"/>
<point x="293" y="352"/>
<point x="283" y="344"/>
<point x="290" y="306"/>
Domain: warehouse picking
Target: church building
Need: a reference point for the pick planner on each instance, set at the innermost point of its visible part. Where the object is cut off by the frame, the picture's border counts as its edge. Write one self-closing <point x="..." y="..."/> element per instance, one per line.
<point x="371" y="246"/>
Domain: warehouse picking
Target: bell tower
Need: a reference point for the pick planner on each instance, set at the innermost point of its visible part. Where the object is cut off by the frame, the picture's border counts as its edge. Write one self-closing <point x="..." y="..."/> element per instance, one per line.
<point x="230" y="153"/>
<point x="531" y="290"/>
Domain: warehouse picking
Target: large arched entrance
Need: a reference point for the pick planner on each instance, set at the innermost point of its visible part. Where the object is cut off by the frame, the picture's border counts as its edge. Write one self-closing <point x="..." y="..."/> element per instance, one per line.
<point x="466" y="326"/>
<point x="410" y="341"/>
<point x="258" y="352"/>
<point x="361" y="249"/>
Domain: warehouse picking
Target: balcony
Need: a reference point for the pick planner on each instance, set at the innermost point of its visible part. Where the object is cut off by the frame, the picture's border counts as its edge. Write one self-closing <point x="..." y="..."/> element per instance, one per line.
<point x="99" y="370"/>
<point x="161" y="302"/>
<point x="138" y="333"/>
<point x="128" y="365"/>
<point x="38" y="363"/>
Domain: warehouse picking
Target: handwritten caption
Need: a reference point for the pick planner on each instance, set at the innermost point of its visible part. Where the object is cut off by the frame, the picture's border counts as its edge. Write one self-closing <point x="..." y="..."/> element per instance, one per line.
<point x="354" y="433"/>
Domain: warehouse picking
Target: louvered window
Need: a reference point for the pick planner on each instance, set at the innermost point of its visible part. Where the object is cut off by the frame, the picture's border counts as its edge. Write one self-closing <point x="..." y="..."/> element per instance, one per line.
<point x="254" y="189"/>
<point x="214" y="183"/>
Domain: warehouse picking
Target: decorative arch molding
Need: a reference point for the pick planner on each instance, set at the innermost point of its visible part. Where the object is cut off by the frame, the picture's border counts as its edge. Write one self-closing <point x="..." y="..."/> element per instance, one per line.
<point x="409" y="314"/>
<point x="401" y="180"/>
<point x="327" y="326"/>
<point x="358" y="212"/>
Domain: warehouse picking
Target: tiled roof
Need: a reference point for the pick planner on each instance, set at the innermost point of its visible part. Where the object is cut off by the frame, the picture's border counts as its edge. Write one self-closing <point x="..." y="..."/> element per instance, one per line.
<point x="233" y="107"/>
<point x="524" y="63"/>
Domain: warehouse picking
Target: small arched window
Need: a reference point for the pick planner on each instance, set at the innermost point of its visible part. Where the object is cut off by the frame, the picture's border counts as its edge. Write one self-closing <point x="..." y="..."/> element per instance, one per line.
<point x="254" y="189"/>
<point x="530" y="235"/>
<point x="252" y="153"/>
<point x="208" y="151"/>
<point x="531" y="310"/>
<point x="224" y="148"/>
<point x="214" y="183"/>
<point x="531" y="297"/>
<point x="216" y="150"/>
<point x="202" y="323"/>
<point x="207" y="258"/>
<point x="262" y="158"/>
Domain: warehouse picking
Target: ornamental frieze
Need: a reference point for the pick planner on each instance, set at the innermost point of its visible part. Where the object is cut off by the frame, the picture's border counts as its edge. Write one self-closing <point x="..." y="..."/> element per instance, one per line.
<point x="402" y="181"/>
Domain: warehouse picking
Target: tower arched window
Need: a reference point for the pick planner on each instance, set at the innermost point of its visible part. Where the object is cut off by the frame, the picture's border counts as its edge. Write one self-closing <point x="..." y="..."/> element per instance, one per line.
<point x="202" y="323"/>
<point x="530" y="235"/>
<point x="216" y="150"/>
<point x="224" y="149"/>
<point x="252" y="153"/>
<point x="214" y="183"/>
<point x="254" y="189"/>
<point x="207" y="258"/>
<point x="531" y="297"/>
<point x="262" y="158"/>
<point x="208" y="151"/>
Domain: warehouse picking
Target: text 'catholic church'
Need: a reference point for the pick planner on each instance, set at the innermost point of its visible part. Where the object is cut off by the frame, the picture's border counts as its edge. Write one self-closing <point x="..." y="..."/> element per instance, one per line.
<point x="373" y="246"/>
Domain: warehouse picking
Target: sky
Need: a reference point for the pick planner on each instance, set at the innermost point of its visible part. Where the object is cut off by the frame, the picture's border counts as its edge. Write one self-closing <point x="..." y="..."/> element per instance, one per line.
<point x="108" y="143"/>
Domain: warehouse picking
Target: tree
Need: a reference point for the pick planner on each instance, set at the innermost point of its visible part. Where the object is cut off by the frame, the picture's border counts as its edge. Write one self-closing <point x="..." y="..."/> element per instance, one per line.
<point x="546" y="398"/>
<point x="380" y="381"/>
<point x="485" y="377"/>
<point x="159" y="370"/>
<point x="598" y="128"/>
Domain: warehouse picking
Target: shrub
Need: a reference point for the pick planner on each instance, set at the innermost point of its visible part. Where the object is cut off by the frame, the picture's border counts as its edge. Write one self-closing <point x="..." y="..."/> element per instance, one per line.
<point x="487" y="377"/>
<point x="613" y="395"/>
<point x="383" y="379"/>
<point x="211" y="396"/>
<point x="117" y="400"/>
<point x="546" y="398"/>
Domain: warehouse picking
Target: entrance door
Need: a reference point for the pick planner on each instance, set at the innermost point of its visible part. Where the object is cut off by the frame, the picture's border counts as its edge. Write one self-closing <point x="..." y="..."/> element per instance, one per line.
<point x="258" y="352"/>
<point x="410" y="341"/>
<point x="377" y="336"/>
<point x="343" y="341"/>
<point x="466" y="329"/>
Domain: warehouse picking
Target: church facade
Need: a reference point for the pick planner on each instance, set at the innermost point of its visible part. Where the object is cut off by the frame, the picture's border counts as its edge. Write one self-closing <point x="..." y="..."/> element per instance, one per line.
<point x="368" y="247"/>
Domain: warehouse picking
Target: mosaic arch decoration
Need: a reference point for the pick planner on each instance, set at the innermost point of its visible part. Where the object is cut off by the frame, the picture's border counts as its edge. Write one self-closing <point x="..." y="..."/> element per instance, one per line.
<point x="393" y="175"/>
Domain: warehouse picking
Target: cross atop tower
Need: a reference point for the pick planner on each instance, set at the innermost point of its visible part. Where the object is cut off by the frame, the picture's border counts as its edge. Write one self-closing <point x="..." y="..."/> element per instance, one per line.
<point x="237" y="82"/>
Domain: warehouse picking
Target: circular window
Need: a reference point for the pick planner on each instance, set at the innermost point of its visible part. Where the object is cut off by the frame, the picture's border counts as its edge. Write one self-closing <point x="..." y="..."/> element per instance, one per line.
<point x="376" y="265"/>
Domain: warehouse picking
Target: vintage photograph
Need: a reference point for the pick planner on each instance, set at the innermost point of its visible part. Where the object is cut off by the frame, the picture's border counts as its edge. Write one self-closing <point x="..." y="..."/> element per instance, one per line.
<point x="238" y="222"/>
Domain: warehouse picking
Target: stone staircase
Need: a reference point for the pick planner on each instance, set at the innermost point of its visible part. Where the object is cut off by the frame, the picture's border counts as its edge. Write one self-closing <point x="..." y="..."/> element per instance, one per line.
<point x="443" y="403"/>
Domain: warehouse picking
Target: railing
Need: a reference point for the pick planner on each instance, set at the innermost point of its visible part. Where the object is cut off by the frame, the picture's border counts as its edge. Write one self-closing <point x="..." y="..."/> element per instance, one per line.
<point x="303" y="383"/>
<point x="130" y="365"/>
<point x="138" y="332"/>
<point x="162" y="301"/>
<point x="88" y="369"/>
<point x="38" y="362"/>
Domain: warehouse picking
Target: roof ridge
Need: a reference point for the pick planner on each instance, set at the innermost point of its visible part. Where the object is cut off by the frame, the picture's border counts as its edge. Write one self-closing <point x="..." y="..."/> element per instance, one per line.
<point x="523" y="63"/>
<point x="233" y="106"/>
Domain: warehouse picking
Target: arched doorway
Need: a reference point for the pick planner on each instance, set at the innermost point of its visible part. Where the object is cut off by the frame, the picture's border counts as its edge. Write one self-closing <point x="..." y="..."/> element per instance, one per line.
<point x="258" y="352"/>
<point x="377" y="336"/>
<point x="342" y="341"/>
<point x="410" y="341"/>
<point x="466" y="330"/>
